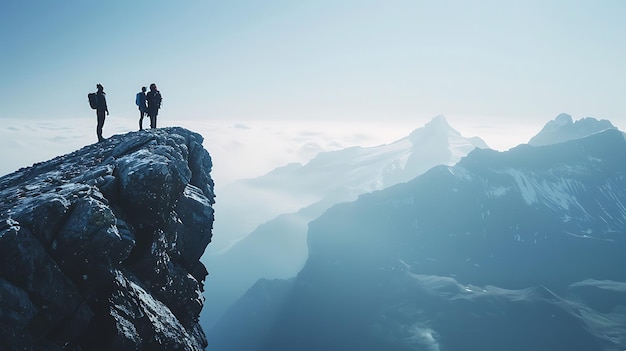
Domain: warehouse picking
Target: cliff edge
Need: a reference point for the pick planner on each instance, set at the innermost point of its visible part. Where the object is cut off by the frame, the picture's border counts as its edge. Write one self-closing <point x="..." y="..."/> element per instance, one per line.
<point x="100" y="248"/>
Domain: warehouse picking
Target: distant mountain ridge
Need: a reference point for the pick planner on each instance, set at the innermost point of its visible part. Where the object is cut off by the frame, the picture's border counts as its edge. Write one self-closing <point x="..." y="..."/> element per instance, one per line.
<point x="373" y="168"/>
<point x="563" y="129"/>
<point x="513" y="250"/>
<point x="347" y="172"/>
<point x="278" y="245"/>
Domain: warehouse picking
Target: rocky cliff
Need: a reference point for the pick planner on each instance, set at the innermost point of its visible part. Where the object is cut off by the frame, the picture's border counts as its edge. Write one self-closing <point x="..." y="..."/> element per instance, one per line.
<point x="100" y="248"/>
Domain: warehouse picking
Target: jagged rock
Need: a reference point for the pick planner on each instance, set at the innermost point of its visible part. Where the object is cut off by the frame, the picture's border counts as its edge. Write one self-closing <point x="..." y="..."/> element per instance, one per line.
<point x="100" y="248"/>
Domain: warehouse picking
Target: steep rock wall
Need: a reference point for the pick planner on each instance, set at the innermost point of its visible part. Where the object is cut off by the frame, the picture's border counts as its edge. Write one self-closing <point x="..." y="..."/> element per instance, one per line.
<point x="100" y="248"/>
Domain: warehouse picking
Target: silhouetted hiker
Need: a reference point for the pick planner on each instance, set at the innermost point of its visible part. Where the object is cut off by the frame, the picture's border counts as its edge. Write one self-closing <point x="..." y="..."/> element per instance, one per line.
<point x="140" y="100"/>
<point x="101" y="108"/>
<point x="154" y="104"/>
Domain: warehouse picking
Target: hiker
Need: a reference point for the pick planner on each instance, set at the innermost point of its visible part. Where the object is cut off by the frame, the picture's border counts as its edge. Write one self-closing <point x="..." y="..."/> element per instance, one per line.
<point x="101" y="108"/>
<point x="154" y="104"/>
<point x="140" y="100"/>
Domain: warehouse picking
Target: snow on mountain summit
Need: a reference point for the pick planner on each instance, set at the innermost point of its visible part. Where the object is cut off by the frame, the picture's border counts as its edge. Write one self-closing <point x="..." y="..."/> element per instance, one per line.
<point x="563" y="128"/>
<point x="372" y="168"/>
<point x="439" y="131"/>
<point x="342" y="175"/>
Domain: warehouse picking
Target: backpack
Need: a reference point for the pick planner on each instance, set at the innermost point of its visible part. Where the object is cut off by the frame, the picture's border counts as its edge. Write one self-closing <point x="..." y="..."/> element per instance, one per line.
<point x="92" y="100"/>
<point x="154" y="99"/>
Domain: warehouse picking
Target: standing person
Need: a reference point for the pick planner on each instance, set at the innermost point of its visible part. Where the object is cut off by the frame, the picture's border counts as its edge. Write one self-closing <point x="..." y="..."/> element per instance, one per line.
<point x="140" y="100"/>
<point x="154" y="104"/>
<point x="101" y="108"/>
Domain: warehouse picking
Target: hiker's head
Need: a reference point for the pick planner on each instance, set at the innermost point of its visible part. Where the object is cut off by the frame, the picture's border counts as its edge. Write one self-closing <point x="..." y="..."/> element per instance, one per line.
<point x="99" y="87"/>
<point x="153" y="87"/>
<point x="143" y="89"/>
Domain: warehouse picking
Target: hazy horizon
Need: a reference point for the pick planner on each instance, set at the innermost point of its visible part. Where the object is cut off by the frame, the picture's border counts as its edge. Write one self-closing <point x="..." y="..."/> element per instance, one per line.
<point x="243" y="149"/>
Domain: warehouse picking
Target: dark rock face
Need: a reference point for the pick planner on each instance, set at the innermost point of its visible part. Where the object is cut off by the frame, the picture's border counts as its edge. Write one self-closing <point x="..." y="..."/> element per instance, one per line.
<point x="100" y="248"/>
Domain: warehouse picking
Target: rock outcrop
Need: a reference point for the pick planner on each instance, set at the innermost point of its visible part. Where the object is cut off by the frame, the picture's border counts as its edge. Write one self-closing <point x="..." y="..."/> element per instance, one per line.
<point x="100" y="248"/>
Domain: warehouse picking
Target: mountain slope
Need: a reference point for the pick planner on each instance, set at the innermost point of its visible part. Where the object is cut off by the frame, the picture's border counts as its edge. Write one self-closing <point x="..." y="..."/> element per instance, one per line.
<point x="516" y="250"/>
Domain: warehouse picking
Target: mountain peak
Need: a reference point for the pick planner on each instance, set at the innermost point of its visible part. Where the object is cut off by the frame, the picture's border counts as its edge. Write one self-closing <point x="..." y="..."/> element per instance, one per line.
<point x="563" y="129"/>
<point x="439" y="132"/>
<point x="562" y="119"/>
<point x="437" y="127"/>
<point x="438" y="121"/>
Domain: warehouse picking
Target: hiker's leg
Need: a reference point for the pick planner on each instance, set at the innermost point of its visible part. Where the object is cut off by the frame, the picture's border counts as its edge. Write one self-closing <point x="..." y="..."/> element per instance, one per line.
<point x="100" y="115"/>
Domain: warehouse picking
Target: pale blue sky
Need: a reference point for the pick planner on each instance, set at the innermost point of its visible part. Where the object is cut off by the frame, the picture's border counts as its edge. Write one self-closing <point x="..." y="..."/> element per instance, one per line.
<point x="491" y="61"/>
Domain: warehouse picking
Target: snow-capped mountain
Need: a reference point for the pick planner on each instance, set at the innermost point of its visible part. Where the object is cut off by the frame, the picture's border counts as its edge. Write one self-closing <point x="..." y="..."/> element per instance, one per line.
<point x="516" y="250"/>
<point x="374" y="168"/>
<point x="341" y="174"/>
<point x="563" y="128"/>
<point x="303" y="192"/>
